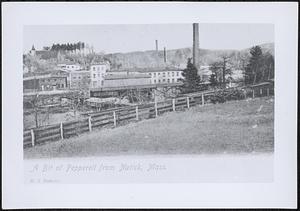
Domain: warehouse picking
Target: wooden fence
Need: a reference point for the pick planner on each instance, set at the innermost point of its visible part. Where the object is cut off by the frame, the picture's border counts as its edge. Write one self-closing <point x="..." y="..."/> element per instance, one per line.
<point x="120" y="116"/>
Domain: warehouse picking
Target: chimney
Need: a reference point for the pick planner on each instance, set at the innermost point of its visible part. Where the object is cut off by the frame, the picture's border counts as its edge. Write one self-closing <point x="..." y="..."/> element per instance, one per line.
<point x="156" y="45"/>
<point x="196" y="44"/>
<point x="165" y="55"/>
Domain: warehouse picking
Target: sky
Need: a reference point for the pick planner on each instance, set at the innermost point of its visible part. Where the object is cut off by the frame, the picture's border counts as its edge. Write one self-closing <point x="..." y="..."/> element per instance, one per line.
<point x="128" y="38"/>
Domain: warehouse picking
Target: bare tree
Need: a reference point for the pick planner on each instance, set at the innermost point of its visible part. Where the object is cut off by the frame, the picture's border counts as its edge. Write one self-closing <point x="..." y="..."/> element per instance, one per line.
<point x="221" y="69"/>
<point x="226" y="70"/>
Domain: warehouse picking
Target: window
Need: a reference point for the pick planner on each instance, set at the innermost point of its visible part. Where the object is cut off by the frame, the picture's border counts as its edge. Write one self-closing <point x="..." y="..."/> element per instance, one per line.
<point x="94" y="75"/>
<point x="62" y="86"/>
<point x="154" y="81"/>
<point x="158" y="73"/>
<point x="164" y="74"/>
<point x="172" y="80"/>
<point x="177" y="73"/>
<point x="79" y="77"/>
<point x="168" y="73"/>
<point x="168" y="80"/>
<point x="98" y="68"/>
<point x="94" y="68"/>
<point x="150" y="74"/>
<point x="172" y="73"/>
<point x="154" y="74"/>
<point x="164" y="80"/>
<point x="158" y="80"/>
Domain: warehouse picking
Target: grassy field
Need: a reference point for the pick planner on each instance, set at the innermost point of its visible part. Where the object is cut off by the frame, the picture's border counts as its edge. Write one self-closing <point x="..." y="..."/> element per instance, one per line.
<point x="245" y="126"/>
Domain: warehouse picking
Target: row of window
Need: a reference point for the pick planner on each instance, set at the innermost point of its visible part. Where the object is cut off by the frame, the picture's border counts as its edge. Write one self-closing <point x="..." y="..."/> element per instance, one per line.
<point x="50" y="80"/>
<point x="60" y="86"/>
<point x="165" y="80"/>
<point x="57" y="86"/>
<point x="79" y="77"/>
<point x="99" y="75"/>
<point x="96" y="85"/>
<point x="98" y="68"/>
<point x="76" y="84"/>
<point x="164" y="74"/>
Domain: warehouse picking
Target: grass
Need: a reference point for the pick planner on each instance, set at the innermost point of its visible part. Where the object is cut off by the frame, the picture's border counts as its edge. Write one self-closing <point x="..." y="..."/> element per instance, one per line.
<point x="233" y="127"/>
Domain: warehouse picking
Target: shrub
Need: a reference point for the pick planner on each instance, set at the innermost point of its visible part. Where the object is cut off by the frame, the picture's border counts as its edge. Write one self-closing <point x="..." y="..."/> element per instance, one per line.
<point x="222" y="96"/>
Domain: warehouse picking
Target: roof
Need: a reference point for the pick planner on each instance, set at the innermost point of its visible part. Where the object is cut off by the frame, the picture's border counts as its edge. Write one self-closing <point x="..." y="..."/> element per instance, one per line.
<point x="101" y="100"/>
<point x="80" y="71"/>
<point x="123" y="71"/>
<point x="147" y="70"/>
<point x="126" y="76"/>
<point x="36" y="77"/>
<point x="146" y="86"/>
<point x="100" y="63"/>
<point x="68" y="63"/>
<point x="261" y="84"/>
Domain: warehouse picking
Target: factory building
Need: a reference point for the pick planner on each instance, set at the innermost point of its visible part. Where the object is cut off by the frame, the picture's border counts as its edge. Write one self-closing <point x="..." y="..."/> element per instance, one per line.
<point x="124" y="80"/>
<point x="97" y="73"/>
<point x="161" y="76"/>
<point x="80" y="79"/>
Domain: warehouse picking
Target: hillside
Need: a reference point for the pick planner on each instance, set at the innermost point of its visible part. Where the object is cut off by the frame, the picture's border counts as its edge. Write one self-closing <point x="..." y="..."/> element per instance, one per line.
<point x="245" y="126"/>
<point x="178" y="57"/>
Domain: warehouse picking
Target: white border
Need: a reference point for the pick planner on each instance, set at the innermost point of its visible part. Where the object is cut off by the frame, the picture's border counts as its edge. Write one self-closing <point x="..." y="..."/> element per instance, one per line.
<point x="280" y="193"/>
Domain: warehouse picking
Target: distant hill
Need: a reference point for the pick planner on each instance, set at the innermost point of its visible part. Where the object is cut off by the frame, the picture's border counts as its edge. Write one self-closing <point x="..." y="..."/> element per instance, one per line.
<point x="178" y="57"/>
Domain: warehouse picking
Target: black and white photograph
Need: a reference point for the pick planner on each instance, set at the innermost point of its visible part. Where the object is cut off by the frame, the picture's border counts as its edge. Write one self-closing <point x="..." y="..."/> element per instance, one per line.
<point x="147" y="90"/>
<point x="148" y="102"/>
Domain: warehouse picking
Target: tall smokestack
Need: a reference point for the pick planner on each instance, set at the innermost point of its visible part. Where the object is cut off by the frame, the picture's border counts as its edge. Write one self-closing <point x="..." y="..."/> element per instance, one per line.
<point x="195" y="44"/>
<point x="165" y="55"/>
<point x="156" y="45"/>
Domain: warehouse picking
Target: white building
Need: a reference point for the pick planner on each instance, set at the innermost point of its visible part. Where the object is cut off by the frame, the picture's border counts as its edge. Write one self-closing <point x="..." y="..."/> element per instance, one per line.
<point x="98" y="71"/>
<point x="69" y="66"/>
<point x="204" y="72"/>
<point x="161" y="76"/>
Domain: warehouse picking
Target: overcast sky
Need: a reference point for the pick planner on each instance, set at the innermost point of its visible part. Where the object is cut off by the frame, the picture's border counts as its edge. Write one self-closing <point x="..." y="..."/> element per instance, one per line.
<point x="127" y="38"/>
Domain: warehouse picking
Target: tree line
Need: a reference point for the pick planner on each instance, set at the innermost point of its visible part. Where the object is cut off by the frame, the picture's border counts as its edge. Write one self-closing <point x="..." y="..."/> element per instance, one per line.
<point x="257" y="67"/>
<point x="66" y="46"/>
<point x="260" y="66"/>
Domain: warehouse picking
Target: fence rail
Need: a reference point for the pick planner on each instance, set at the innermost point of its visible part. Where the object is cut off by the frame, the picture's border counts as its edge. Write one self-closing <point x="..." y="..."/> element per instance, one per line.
<point x="115" y="117"/>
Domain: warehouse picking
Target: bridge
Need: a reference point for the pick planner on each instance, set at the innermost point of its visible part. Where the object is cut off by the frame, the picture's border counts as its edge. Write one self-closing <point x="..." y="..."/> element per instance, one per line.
<point x="139" y="93"/>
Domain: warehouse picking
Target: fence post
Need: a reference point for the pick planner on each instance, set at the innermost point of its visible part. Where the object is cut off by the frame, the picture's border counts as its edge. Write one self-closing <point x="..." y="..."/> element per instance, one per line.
<point x="253" y="95"/>
<point x="155" y="108"/>
<point x="137" y="112"/>
<point x="268" y="92"/>
<point x="173" y="102"/>
<point x="61" y="131"/>
<point x="115" y="120"/>
<point x="32" y="137"/>
<point x="202" y="99"/>
<point x="90" y="123"/>
<point x="188" y="102"/>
